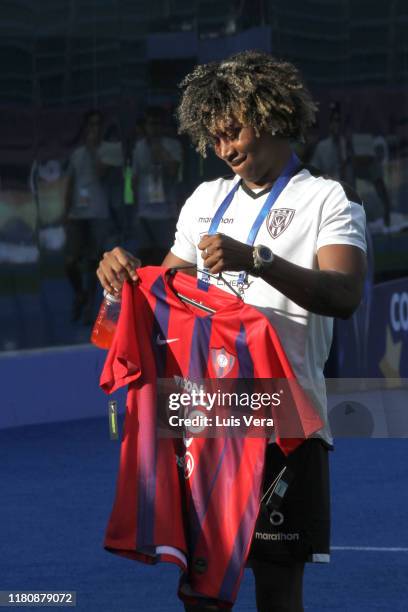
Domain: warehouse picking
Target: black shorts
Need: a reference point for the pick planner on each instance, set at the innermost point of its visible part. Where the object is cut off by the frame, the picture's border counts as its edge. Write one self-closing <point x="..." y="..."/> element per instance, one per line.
<point x="300" y="529"/>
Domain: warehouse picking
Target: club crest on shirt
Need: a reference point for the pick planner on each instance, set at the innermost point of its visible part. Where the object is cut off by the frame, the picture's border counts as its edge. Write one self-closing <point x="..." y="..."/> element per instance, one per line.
<point x="222" y="361"/>
<point x="278" y="220"/>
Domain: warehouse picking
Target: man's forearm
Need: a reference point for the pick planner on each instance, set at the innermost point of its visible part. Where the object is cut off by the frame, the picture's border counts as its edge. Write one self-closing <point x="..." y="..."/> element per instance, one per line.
<point x="323" y="292"/>
<point x="333" y="290"/>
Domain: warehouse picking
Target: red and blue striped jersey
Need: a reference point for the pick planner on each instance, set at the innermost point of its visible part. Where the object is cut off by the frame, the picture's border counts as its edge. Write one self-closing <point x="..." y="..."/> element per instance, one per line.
<point x="192" y="501"/>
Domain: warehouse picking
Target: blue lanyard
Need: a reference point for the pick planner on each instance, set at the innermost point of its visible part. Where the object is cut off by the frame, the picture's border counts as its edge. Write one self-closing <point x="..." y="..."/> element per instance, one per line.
<point x="279" y="185"/>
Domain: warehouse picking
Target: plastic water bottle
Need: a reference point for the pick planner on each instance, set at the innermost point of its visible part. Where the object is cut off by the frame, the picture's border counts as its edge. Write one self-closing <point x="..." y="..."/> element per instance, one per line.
<point x="106" y="321"/>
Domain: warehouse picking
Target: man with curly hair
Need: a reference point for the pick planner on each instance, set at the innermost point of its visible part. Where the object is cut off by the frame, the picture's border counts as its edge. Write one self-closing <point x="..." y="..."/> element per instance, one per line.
<point x="292" y="243"/>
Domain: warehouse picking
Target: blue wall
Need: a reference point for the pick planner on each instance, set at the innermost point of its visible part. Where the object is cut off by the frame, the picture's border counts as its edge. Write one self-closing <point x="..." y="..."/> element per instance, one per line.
<point x="50" y="385"/>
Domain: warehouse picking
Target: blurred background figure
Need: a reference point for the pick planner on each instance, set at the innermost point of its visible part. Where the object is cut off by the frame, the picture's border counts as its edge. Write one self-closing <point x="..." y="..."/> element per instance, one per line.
<point x="156" y="164"/>
<point x="330" y="154"/>
<point x="112" y="155"/>
<point x="48" y="185"/>
<point x="129" y="238"/>
<point x="368" y="168"/>
<point x="87" y="214"/>
<point x="356" y="159"/>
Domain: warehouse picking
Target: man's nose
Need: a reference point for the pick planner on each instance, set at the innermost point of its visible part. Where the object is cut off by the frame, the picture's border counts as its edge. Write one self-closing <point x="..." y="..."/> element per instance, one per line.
<point x="226" y="149"/>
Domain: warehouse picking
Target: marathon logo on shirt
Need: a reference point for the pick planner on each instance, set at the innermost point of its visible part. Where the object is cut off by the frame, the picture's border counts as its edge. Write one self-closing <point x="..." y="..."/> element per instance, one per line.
<point x="279" y="220"/>
<point x="276" y="537"/>
<point x="228" y="220"/>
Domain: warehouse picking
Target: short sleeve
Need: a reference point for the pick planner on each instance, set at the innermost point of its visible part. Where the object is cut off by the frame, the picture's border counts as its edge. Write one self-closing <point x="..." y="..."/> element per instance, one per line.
<point x="343" y="219"/>
<point x="185" y="241"/>
<point x="295" y="417"/>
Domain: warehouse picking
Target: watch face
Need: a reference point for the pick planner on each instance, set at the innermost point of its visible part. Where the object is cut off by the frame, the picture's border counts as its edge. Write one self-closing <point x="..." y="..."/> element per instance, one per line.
<point x="265" y="254"/>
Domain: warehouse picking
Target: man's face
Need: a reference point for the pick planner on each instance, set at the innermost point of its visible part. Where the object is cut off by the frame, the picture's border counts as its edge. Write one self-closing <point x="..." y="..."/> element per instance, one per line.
<point x="250" y="156"/>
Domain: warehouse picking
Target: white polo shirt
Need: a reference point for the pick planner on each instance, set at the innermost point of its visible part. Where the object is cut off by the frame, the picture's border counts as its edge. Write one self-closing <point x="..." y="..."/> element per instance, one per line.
<point x="310" y="213"/>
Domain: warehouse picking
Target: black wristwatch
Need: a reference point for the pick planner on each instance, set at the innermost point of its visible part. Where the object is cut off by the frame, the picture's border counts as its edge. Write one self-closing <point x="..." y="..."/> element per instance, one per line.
<point x="263" y="258"/>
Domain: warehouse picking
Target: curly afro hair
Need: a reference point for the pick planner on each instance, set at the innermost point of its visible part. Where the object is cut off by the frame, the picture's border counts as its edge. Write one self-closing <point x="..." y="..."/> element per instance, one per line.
<point x="251" y="88"/>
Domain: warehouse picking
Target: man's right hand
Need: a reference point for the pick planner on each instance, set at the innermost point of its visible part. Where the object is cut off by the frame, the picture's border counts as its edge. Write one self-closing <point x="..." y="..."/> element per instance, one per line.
<point x="115" y="267"/>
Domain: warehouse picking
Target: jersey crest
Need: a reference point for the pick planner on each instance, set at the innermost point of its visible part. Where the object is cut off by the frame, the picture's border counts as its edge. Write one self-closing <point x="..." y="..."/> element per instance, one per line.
<point x="278" y="220"/>
<point x="222" y="362"/>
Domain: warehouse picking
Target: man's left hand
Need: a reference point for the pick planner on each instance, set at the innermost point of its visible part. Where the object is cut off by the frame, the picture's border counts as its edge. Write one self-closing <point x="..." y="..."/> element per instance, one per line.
<point x="221" y="253"/>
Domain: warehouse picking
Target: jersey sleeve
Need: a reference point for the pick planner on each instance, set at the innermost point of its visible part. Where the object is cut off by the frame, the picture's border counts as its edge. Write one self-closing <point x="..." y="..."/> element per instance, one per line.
<point x="295" y="417"/>
<point x="123" y="362"/>
<point x="343" y="219"/>
<point x="185" y="239"/>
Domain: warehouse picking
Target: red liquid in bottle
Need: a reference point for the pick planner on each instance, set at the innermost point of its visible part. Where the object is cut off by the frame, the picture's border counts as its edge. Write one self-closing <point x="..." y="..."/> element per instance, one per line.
<point x="106" y="322"/>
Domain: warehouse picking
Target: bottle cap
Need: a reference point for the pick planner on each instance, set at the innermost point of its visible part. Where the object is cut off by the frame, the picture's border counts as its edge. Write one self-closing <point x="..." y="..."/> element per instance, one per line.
<point x="114" y="299"/>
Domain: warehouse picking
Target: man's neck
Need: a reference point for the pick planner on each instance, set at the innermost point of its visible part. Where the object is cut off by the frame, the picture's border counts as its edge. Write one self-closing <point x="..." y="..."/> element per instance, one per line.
<point x="267" y="181"/>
